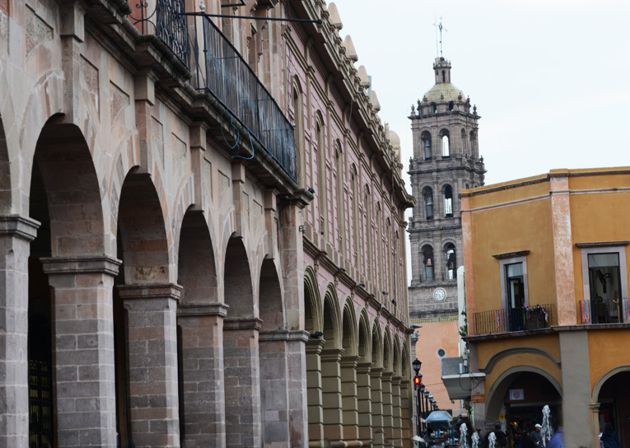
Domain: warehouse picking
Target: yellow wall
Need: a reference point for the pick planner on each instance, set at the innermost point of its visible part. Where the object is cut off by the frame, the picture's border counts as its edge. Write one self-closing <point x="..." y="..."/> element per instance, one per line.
<point x="524" y="226"/>
<point x="608" y="350"/>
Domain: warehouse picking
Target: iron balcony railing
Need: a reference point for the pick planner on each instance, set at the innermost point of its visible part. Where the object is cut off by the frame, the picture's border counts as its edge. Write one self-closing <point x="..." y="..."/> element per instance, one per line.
<point x="604" y="312"/>
<point x="515" y="319"/>
<point x="220" y="70"/>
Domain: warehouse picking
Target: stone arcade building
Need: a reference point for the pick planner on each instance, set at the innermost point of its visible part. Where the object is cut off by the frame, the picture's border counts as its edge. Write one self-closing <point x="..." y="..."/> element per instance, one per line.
<point x="180" y="265"/>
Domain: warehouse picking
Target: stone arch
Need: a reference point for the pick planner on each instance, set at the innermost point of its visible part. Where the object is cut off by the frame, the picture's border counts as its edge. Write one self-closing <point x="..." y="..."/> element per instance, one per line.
<point x="605" y="377"/>
<point x="5" y="174"/>
<point x="499" y="388"/>
<point x="332" y="319"/>
<point x="377" y="345"/>
<point x="63" y="168"/>
<point x="196" y="271"/>
<point x="396" y="358"/>
<point x="312" y="302"/>
<point x="388" y="359"/>
<point x="142" y="231"/>
<point x="349" y="326"/>
<point x="238" y="280"/>
<point x="271" y="304"/>
<point x="365" y="346"/>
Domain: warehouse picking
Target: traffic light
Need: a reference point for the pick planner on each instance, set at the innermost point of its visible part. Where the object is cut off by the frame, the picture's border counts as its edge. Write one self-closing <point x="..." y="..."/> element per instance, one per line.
<point x="417" y="380"/>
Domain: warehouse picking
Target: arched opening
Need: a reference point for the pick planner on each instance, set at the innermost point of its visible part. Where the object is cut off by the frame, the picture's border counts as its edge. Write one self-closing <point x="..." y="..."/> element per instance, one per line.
<point x="396" y="395"/>
<point x="427" y="197"/>
<point x="406" y="400"/>
<point x="312" y="324"/>
<point x="331" y="370"/>
<point x="364" y="395"/>
<point x="450" y="256"/>
<point x="145" y="310"/>
<point x="448" y="201"/>
<point x="520" y="395"/>
<point x="614" y="407"/>
<point x="339" y="212"/>
<point x="464" y="140"/>
<point x="199" y="335"/>
<point x="349" y="374"/>
<point x="427" y="261"/>
<point x="434" y="108"/>
<point x="376" y="389"/>
<point x="427" y="149"/>
<point x="451" y="105"/>
<point x="474" y="148"/>
<point x="240" y="350"/>
<point x="65" y="198"/>
<point x="446" y="144"/>
<point x="274" y="367"/>
<point x="388" y="372"/>
<point x="354" y="218"/>
<point x="5" y="174"/>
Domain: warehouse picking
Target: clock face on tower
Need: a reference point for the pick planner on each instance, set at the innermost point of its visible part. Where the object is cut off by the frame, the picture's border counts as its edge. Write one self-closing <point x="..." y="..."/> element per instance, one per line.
<point x="439" y="294"/>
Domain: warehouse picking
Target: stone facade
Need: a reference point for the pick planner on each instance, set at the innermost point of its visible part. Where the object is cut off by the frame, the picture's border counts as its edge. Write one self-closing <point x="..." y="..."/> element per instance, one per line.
<point x="445" y="161"/>
<point x="181" y="265"/>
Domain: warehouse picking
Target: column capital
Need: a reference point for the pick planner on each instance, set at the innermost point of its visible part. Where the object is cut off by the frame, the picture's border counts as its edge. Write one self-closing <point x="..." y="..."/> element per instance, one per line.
<point x="314" y="346"/>
<point x="349" y="361"/>
<point x="331" y="354"/>
<point x="364" y="367"/>
<point x="242" y="323"/>
<point x="594" y="407"/>
<point x="284" y="335"/>
<point x="376" y="372"/>
<point x="96" y="264"/>
<point x="19" y="226"/>
<point x="211" y="309"/>
<point x="150" y="291"/>
<point x="387" y="376"/>
<point x="396" y="380"/>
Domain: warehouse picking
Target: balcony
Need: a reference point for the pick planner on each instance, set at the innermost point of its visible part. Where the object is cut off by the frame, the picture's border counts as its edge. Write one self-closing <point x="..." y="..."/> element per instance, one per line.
<point x="252" y="118"/>
<point x="503" y="320"/>
<point x="604" y="312"/>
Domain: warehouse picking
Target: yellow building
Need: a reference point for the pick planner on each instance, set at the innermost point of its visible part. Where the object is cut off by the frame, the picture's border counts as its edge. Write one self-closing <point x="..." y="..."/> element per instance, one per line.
<point x="548" y="321"/>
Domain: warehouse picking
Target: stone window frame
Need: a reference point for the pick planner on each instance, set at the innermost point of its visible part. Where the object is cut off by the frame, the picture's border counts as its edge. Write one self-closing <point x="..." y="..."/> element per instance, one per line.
<point x="520" y="257"/>
<point x="604" y="248"/>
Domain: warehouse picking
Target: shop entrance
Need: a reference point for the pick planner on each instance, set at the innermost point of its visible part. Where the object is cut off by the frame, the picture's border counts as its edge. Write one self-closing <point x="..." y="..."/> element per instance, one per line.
<point x="614" y="410"/>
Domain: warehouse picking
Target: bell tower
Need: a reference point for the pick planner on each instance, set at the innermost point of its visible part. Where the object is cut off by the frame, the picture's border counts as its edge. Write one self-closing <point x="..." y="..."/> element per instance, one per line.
<point x="445" y="161"/>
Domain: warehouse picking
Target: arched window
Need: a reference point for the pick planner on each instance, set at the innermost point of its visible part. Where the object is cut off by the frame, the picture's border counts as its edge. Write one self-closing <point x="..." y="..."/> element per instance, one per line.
<point x="451" y="261"/>
<point x="321" y="174"/>
<point x="427" y="261"/>
<point x="448" y="201"/>
<point x="473" y="143"/>
<point x="427" y="195"/>
<point x="426" y="145"/>
<point x="339" y="193"/>
<point x="298" y="118"/>
<point x="451" y="105"/>
<point x="434" y="108"/>
<point x="446" y="144"/>
<point x="464" y="140"/>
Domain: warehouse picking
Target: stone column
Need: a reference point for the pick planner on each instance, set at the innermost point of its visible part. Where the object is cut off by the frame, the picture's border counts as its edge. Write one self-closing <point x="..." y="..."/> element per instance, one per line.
<point x="594" y="407"/>
<point x="349" y="398"/>
<point x="376" y="392"/>
<point x="202" y="374"/>
<point x="406" y="403"/>
<point x="396" y="412"/>
<point x="153" y="381"/>
<point x="387" y="407"/>
<point x="16" y="233"/>
<point x="274" y="388"/>
<point x="282" y="367"/>
<point x="314" y="392"/>
<point x="83" y="319"/>
<point x="364" y="402"/>
<point x="298" y="414"/>
<point x="242" y="382"/>
<point x="331" y="395"/>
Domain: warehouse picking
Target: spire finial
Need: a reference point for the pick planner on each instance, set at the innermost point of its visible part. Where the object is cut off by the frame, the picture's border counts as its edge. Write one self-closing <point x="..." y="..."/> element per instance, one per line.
<point x="439" y="37"/>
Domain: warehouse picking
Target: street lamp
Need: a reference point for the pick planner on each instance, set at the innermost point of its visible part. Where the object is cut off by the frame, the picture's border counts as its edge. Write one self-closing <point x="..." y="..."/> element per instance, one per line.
<point x="417" y="383"/>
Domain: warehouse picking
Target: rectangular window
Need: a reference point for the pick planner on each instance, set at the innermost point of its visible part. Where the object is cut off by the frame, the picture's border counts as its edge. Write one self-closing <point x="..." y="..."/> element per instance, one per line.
<point x="605" y="287"/>
<point x="515" y="294"/>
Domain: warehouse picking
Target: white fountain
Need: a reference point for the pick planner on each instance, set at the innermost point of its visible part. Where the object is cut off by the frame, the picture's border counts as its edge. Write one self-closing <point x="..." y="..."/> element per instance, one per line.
<point x="546" y="430"/>
<point x="463" y="433"/>
<point x="475" y="439"/>
<point x="492" y="440"/>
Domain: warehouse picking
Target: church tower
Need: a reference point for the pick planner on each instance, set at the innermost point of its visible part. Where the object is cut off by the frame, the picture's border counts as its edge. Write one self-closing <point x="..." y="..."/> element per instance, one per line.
<point x="445" y="161"/>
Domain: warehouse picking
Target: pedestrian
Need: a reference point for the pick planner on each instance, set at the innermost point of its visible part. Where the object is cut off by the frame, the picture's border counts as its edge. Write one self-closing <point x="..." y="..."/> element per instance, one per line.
<point x="557" y="440"/>
<point x="536" y="435"/>
<point x="501" y="437"/>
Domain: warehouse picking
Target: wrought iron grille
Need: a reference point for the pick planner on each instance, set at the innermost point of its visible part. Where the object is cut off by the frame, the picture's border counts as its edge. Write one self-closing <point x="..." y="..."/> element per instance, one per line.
<point x="221" y="71"/>
<point x="516" y="319"/>
<point x="171" y="28"/>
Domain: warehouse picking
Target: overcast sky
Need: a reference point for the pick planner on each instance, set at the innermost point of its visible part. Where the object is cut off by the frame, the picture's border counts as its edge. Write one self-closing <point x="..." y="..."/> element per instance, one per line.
<point x="550" y="78"/>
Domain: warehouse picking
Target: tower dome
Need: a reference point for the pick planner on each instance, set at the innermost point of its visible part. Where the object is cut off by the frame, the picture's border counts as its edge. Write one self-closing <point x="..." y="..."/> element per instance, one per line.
<point x="443" y="90"/>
